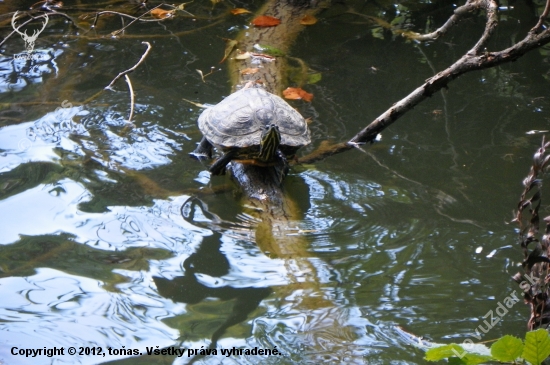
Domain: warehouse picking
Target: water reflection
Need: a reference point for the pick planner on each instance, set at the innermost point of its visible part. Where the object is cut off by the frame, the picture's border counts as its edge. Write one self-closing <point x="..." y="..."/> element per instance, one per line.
<point x="18" y="73"/>
<point x="105" y="241"/>
<point x="52" y="308"/>
<point x="208" y="260"/>
<point x="218" y="287"/>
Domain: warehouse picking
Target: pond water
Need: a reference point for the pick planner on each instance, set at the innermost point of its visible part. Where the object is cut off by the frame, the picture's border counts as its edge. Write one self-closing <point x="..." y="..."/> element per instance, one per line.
<point x="112" y="237"/>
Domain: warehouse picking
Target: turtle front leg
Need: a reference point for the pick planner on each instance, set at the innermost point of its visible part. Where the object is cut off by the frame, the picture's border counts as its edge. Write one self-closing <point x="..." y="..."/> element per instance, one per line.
<point x="203" y="150"/>
<point x="218" y="167"/>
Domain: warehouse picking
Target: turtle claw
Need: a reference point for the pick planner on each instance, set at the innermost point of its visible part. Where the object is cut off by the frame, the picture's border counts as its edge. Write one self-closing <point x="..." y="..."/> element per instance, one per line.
<point x="199" y="155"/>
<point x="203" y="150"/>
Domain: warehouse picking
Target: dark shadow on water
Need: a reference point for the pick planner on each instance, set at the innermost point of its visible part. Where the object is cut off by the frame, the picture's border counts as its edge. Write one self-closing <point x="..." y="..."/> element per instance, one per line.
<point x="208" y="260"/>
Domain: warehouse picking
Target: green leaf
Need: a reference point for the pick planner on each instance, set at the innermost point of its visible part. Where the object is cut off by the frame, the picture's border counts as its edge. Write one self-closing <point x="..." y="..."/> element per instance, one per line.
<point x="456" y="361"/>
<point x="314" y="78"/>
<point x="456" y="355"/>
<point x="537" y="346"/>
<point x="507" y="348"/>
<point x="474" y="359"/>
<point x="272" y="51"/>
<point x="444" y="352"/>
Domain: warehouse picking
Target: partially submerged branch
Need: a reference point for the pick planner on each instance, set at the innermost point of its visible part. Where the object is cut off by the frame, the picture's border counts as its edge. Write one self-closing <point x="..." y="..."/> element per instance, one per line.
<point x="471" y="61"/>
<point x="459" y="13"/>
<point x="133" y="67"/>
<point x="125" y="74"/>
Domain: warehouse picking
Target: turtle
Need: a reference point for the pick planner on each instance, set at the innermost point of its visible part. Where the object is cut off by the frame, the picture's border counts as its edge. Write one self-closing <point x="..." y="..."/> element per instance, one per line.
<point x="251" y="124"/>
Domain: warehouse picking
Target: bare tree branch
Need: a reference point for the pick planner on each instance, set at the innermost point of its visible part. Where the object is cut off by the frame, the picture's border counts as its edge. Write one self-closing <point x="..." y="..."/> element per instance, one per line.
<point x="135" y="20"/>
<point x="459" y="13"/>
<point x="491" y="8"/>
<point x="541" y="18"/>
<point x="471" y="61"/>
<point x="133" y="67"/>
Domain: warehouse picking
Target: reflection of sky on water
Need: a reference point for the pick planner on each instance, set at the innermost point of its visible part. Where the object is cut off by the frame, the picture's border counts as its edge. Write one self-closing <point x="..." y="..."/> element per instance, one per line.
<point x="68" y="128"/>
<point x="55" y="210"/>
<point x="17" y="72"/>
<point x="52" y="308"/>
<point x="384" y="248"/>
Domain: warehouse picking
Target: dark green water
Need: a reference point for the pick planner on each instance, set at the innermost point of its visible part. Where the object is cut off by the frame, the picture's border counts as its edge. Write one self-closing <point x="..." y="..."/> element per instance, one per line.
<point x="411" y="233"/>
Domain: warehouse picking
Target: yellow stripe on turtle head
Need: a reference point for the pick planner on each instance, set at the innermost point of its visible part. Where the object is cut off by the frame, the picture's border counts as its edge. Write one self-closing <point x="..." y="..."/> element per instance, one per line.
<point x="270" y="141"/>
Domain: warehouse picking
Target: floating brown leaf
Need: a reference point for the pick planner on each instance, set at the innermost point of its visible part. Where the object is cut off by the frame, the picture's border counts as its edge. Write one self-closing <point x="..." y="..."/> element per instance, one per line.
<point x="308" y="20"/>
<point x="263" y="57"/>
<point x="238" y="11"/>
<point x="162" y="14"/>
<point x="229" y="46"/>
<point x="249" y="71"/>
<point x="294" y="93"/>
<point x="266" y="21"/>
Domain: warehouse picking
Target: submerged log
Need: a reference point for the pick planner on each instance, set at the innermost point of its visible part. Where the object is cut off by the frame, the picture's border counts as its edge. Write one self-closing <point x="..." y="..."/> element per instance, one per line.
<point x="263" y="194"/>
<point x="272" y="71"/>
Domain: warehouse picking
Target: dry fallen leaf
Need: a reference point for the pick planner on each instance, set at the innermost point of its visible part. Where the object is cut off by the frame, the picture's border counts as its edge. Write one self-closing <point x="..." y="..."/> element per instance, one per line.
<point x="308" y="20"/>
<point x="238" y="11"/>
<point x="162" y="14"/>
<point x="249" y="71"/>
<point x="230" y="45"/>
<point x="266" y="21"/>
<point x="262" y="57"/>
<point x="294" y="93"/>
<point x="242" y="56"/>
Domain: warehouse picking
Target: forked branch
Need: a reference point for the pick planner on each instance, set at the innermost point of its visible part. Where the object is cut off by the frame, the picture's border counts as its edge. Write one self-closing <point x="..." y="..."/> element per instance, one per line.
<point x="543" y="16"/>
<point x="473" y="60"/>
<point x="133" y="67"/>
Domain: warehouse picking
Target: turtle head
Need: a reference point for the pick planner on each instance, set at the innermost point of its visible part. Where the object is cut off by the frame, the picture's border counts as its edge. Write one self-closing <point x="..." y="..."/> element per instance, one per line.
<point x="269" y="143"/>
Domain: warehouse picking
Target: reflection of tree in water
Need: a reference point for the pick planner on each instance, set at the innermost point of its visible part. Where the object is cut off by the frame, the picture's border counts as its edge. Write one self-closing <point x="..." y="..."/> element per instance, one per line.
<point x="210" y="261"/>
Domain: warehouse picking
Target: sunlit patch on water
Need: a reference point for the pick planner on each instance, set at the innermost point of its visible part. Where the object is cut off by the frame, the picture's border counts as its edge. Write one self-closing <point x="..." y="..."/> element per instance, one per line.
<point x="52" y="308"/>
<point x="69" y="128"/>
<point x="18" y="71"/>
<point x="55" y="210"/>
<point x="384" y="241"/>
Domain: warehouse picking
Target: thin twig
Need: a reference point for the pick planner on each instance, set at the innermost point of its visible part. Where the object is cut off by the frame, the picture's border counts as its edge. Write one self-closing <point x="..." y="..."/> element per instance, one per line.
<point x="131" y="98"/>
<point x="541" y="18"/>
<point x="182" y="33"/>
<point x="459" y="13"/>
<point x="120" y="14"/>
<point x="132" y="68"/>
<point x="491" y="7"/>
<point x="135" y="20"/>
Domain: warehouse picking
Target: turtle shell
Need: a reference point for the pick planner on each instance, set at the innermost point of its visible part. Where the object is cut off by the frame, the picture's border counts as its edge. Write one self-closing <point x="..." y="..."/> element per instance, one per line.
<point x="239" y="119"/>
